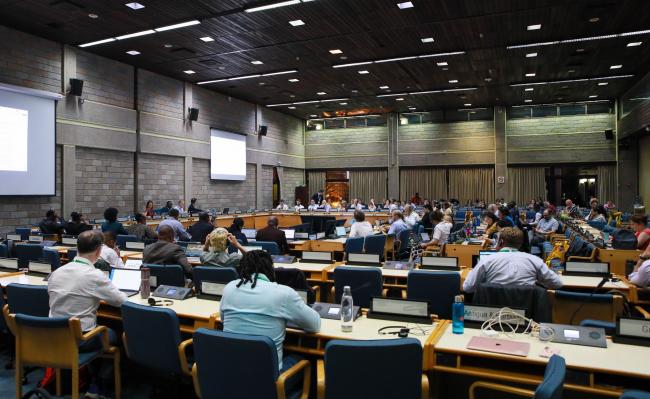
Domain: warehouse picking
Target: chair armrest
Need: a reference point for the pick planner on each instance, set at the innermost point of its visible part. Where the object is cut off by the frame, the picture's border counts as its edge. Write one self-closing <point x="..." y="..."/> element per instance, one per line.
<point x="498" y="387"/>
<point x="404" y="294"/>
<point x="316" y="289"/>
<point x="333" y="293"/>
<point x="425" y="387"/>
<point x="182" y="355"/>
<point x="103" y="330"/>
<point x="212" y="321"/>
<point x="195" y="381"/>
<point x="303" y="366"/>
<point x="384" y="292"/>
<point x="320" y="379"/>
<point x="10" y="319"/>
<point x="644" y="313"/>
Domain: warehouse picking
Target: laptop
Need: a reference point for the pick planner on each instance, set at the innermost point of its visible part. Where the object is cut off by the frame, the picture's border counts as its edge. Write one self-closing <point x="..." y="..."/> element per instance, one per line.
<point x="211" y="290"/>
<point x="363" y="260"/>
<point x="341" y="231"/>
<point x="126" y="280"/>
<point x="577" y="335"/>
<point x="425" y="237"/>
<point x="289" y="234"/>
<point x="249" y="233"/>
<point x="134" y="246"/>
<point x="496" y="345"/>
<point x="404" y="310"/>
<point x="591" y="269"/>
<point x="444" y="263"/>
<point x="286" y="259"/>
<point x="10" y="264"/>
<point x="398" y="265"/>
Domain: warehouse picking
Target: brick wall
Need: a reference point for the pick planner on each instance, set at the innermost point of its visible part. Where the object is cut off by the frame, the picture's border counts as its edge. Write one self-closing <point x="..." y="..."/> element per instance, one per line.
<point x="104" y="179"/>
<point x="105" y="81"/>
<point x="267" y="186"/>
<point x="292" y="178"/>
<point x="160" y="178"/>
<point x="160" y="95"/>
<point x="222" y="193"/>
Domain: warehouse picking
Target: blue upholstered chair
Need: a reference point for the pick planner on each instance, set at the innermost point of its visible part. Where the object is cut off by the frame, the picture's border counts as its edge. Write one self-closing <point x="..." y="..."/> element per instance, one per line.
<point x="167" y="275"/>
<point x="54" y="342"/>
<point x="550" y="388"/>
<point x="214" y="274"/>
<point x="634" y="394"/>
<point x="375" y="244"/>
<point x="72" y="253"/>
<point x="24" y="232"/>
<point x="354" y="245"/>
<point x="161" y="351"/>
<point x="404" y="247"/>
<point x="122" y="239"/>
<point x="364" y="282"/>
<point x="27" y="252"/>
<point x="570" y="307"/>
<point x="610" y="327"/>
<point x="437" y="288"/>
<point x="52" y="257"/>
<point x="224" y="361"/>
<point x="269" y="246"/>
<point x="367" y="361"/>
<point x="4" y="250"/>
<point x="28" y="299"/>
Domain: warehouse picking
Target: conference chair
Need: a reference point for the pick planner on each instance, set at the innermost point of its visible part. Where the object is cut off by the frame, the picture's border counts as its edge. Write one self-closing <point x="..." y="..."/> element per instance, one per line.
<point x="551" y="387"/>
<point x="368" y="361"/>
<point x="72" y="253"/>
<point x="225" y="361"/>
<point x="269" y="246"/>
<point x="24" y="232"/>
<point x="404" y="244"/>
<point x="32" y="300"/>
<point x="162" y="351"/>
<point x="184" y="244"/>
<point x="634" y="394"/>
<point x="167" y="275"/>
<point x="297" y="280"/>
<point x="52" y="257"/>
<point x="354" y="245"/>
<point x="54" y="342"/>
<point x="375" y="244"/>
<point x="590" y="250"/>
<point x="4" y="251"/>
<point x="122" y="239"/>
<point x="215" y="274"/>
<point x="573" y="307"/>
<point x="437" y="288"/>
<point x="28" y="252"/>
<point x="364" y="282"/>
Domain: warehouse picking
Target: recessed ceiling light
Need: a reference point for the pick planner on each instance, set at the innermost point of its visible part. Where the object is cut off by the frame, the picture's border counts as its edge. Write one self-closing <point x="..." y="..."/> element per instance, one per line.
<point x="529" y="89"/>
<point x="616" y="66"/>
<point x="93" y="16"/>
<point x="453" y="81"/>
<point x="354" y="91"/>
<point x="294" y="80"/>
<point x="384" y="87"/>
<point x="593" y="96"/>
<point x="603" y="83"/>
<point x="343" y="103"/>
<point x="134" y="5"/>
<point x="189" y="72"/>
<point x="291" y="107"/>
<point x="297" y="22"/>
<point x="336" y="51"/>
<point x="321" y="93"/>
<point x="467" y="105"/>
<point x="531" y="55"/>
<point x="528" y="101"/>
<point x="634" y="44"/>
<point x="344" y="57"/>
<point x="412" y="108"/>
<point x="404" y="5"/>
<point x="571" y="71"/>
<point x="441" y="64"/>
<point x="133" y="52"/>
<point x="313" y="116"/>
<point x="363" y="72"/>
<point x="427" y="40"/>
<point x="488" y="79"/>
<point x="530" y="75"/>
<point x="257" y="62"/>
<point x="399" y="99"/>
<point x="207" y="39"/>
<point x="168" y="45"/>
<point x="534" y="27"/>
<point x="580" y="50"/>
<point x="594" y="19"/>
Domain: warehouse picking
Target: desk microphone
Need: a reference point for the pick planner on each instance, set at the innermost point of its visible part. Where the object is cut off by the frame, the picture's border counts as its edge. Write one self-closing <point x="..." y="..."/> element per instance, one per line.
<point x="591" y="295"/>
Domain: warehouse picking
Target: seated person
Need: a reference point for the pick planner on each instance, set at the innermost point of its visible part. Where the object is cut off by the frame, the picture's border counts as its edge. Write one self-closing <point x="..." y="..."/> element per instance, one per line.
<point x="216" y="249"/>
<point x="140" y="228"/>
<point x="410" y="216"/>
<point x="180" y="206"/>
<point x="312" y="206"/>
<point x="572" y="209"/>
<point x="165" y="209"/>
<point x="235" y="229"/>
<point x="426" y="217"/>
<point x="504" y="214"/>
<point x="166" y="252"/>
<point x="546" y="226"/>
<point x="511" y="267"/>
<point x="77" y="224"/>
<point x="490" y="220"/>
<point x="172" y="221"/>
<point x="639" y="223"/>
<point x="440" y="232"/>
<point x="298" y="206"/>
<point x="256" y="305"/>
<point x="397" y="225"/>
<point x="282" y="206"/>
<point x="110" y="253"/>
<point x="149" y="210"/>
<point x="111" y="224"/>
<point x="192" y="208"/>
<point x="360" y="228"/>
<point x="200" y="230"/>
<point x="599" y="214"/>
<point x="52" y="224"/>
<point x="641" y="274"/>
<point x="272" y="233"/>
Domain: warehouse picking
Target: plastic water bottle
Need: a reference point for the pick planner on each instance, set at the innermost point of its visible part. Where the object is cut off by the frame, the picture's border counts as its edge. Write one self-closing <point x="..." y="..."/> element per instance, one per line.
<point x="145" y="288"/>
<point x="458" y="315"/>
<point x="347" y="310"/>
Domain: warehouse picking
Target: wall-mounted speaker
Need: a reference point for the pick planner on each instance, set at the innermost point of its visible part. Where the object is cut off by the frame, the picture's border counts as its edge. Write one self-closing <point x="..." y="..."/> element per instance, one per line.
<point x="609" y="134"/>
<point x="193" y="114"/>
<point x="262" y="130"/>
<point x="76" y="87"/>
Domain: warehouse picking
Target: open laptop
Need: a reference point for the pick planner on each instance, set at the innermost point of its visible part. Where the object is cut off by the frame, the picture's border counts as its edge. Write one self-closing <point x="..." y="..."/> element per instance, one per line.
<point x="496" y="345"/>
<point x="249" y="233"/>
<point x="39" y="268"/>
<point x="341" y="231"/>
<point x="444" y="263"/>
<point x="591" y="269"/>
<point x="211" y="290"/>
<point x="482" y="255"/>
<point x="194" y="250"/>
<point x="286" y="259"/>
<point x="289" y="234"/>
<point x="126" y="280"/>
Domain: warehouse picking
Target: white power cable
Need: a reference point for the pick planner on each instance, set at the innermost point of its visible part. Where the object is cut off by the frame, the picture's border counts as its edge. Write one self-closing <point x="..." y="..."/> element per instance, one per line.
<point x="508" y="322"/>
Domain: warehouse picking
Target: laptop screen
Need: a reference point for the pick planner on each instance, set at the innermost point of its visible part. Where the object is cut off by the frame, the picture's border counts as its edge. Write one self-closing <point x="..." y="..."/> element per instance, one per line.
<point x="340" y="231"/>
<point x="249" y="233"/>
<point x="587" y="267"/>
<point x="125" y="279"/>
<point x="133" y="264"/>
<point x="40" y="267"/>
<point x="289" y="234"/>
<point x="425" y="237"/>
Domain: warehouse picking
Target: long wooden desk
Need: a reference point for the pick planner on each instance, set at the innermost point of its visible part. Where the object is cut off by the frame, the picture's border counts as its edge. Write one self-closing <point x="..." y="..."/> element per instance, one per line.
<point x="593" y="371"/>
<point x="464" y="252"/>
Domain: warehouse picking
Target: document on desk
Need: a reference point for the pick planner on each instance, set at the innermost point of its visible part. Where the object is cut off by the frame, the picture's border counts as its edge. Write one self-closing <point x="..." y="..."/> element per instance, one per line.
<point x="133" y="264"/>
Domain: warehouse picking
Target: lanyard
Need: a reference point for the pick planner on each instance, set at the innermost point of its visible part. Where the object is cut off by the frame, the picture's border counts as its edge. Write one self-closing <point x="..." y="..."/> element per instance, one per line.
<point x="87" y="263"/>
<point x="261" y="276"/>
<point x="508" y="250"/>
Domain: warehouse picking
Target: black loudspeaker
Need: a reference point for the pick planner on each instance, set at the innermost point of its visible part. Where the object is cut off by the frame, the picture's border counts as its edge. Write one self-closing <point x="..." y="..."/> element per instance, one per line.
<point x="193" y="114"/>
<point x="76" y="87"/>
<point x="262" y="130"/>
<point x="609" y="134"/>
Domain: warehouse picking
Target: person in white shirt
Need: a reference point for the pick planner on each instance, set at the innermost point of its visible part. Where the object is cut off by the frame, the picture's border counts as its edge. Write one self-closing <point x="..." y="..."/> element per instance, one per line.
<point x="440" y="232"/>
<point x="180" y="207"/>
<point x="110" y="251"/>
<point x="298" y="206"/>
<point x="410" y="216"/>
<point x="393" y="206"/>
<point x="360" y="228"/>
<point x="312" y="206"/>
<point x="371" y="205"/>
<point x="282" y="206"/>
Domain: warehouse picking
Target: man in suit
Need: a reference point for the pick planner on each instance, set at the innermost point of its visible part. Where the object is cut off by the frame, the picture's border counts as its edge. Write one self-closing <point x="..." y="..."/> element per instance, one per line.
<point x="52" y="224"/>
<point x="166" y="252"/>
<point x="273" y="234"/>
<point x="318" y="197"/>
<point x="201" y="229"/>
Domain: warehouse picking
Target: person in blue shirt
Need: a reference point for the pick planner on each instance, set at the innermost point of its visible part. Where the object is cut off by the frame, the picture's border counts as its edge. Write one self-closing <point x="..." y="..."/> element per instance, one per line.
<point x="111" y="224"/>
<point x="398" y="223"/>
<point x="504" y="214"/>
<point x="180" y="234"/>
<point x="165" y="209"/>
<point x="257" y="305"/>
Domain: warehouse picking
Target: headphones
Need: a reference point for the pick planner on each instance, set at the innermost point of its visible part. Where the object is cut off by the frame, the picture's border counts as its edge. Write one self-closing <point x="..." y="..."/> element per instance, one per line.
<point x="400" y="331"/>
<point x="163" y="302"/>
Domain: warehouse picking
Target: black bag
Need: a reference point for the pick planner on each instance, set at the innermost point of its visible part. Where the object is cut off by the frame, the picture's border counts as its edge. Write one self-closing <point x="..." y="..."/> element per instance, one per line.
<point x="623" y="239"/>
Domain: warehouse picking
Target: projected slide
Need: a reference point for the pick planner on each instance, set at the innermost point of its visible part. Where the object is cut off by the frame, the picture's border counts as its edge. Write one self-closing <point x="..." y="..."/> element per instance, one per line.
<point x="227" y="156"/>
<point x="13" y="136"/>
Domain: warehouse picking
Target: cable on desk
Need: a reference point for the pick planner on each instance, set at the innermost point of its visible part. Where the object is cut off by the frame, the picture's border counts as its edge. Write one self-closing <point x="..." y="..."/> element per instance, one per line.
<point x="508" y="321"/>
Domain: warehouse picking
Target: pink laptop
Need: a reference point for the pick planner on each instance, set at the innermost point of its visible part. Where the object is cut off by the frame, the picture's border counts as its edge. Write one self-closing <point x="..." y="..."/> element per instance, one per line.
<point x="496" y="345"/>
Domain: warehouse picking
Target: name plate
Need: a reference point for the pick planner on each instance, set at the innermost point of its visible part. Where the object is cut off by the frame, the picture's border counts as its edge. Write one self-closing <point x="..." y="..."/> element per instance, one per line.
<point x="211" y="288"/>
<point x="320" y="235"/>
<point x="479" y="314"/>
<point x="69" y="241"/>
<point x="400" y="307"/>
<point x="632" y="331"/>
<point x="134" y="245"/>
<point x="14" y="237"/>
<point x="364" y="258"/>
<point x="440" y="261"/>
<point x="36" y="238"/>
<point x="317" y="256"/>
<point x="301" y="236"/>
<point x="9" y="263"/>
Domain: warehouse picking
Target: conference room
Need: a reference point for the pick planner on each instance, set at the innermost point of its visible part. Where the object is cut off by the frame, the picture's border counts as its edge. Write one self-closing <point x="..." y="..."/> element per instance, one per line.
<point x="325" y="199"/>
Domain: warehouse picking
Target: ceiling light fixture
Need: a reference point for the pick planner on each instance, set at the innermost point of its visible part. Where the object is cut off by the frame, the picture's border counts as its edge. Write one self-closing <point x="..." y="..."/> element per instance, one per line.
<point x="441" y="64"/>
<point x="384" y="87"/>
<point x="336" y="51"/>
<point x="404" y="5"/>
<point x="399" y="99"/>
<point x="250" y="77"/>
<point x="257" y="62"/>
<point x="529" y="89"/>
<point x="530" y="75"/>
<point x="93" y="16"/>
<point x="594" y="19"/>
<point x="97" y="42"/>
<point x="134" y="6"/>
<point x="133" y="52"/>
<point x="383" y="60"/>
<point x="297" y="22"/>
<point x="593" y="96"/>
<point x="280" y="73"/>
<point x="453" y="81"/>
<point x="321" y="93"/>
<point x="603" y="83"/>
<point x="364" y="72"/>
<point x="571" y="80"/>
<point x="634" y="44"/>
<point x="467" y="105"/>
<point x="273" y="5"/>
<point x="343" y="103"/>
<point x="179" y="25"/>
<point x="580" y="39"/>
<point x="142" y="33"/>
<point x="528" y="101"/>
<point x="534" y="27"/>
<point x="531" y="55"/>
<point x="207" y="39"/>
<point x="291" y="107"/>
<point x="619" y="66"/>
<point x="308" y="102"/>
<point x="427" y="40"/>
<point x="245" y="77"/>
<point x="136" y="34"/>
<point x="189" y="72"/>
<point x="294" y="80"/>
<point x="395" y="59"/>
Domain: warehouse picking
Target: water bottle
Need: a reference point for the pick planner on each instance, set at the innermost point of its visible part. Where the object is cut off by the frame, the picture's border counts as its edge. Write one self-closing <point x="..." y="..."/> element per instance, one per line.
<point x="347" y="310"/>
<point x="145" y="288"/>
<point x="458" y="315"/>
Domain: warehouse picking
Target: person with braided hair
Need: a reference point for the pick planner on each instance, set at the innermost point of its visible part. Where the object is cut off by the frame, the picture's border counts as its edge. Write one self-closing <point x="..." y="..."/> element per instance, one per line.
<point x="257" y="305"/>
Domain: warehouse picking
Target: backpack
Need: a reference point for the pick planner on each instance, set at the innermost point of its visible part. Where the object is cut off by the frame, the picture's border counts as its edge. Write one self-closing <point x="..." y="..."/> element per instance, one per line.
<point x="623" y="239"/>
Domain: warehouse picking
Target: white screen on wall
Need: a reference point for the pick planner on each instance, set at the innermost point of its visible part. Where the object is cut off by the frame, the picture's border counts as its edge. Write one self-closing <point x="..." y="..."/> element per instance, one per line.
<point x="227" y="155"/>
<point x="27" y="143"/>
